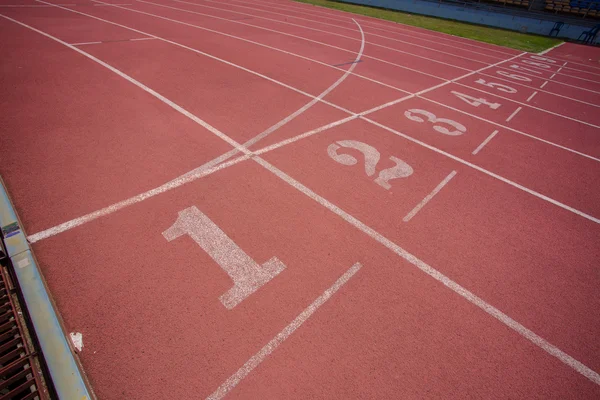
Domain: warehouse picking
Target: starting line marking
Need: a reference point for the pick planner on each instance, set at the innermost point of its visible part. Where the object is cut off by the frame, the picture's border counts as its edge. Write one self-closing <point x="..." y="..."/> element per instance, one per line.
<point x="259" y="357"/>
<point x="486" y="141"/>
<point x="428" y="198"/>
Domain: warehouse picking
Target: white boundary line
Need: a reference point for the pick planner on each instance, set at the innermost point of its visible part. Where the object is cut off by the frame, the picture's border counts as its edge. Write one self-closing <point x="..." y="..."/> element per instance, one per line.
<point x="528" y="105"/>
<point x="518" y="71"/>
<point x="555" y="202"/>
<point x="428" y="198"/>
<point x="290" y="117"/>
<point x="438" y="276"/>
<point x="294" y="36"/>
<point x="486" y="141"/>
<point x="270" y="347"/>
<point x="324" y="23"/>
<point x="499" y="124"/>
<point x="541" y="53"/>
<point x="537" y="68"/>
<point x="409" y="29"/>
<point x="84" y="43"/>
<point x="400" y="66"/>
<point x="458" y="289"/>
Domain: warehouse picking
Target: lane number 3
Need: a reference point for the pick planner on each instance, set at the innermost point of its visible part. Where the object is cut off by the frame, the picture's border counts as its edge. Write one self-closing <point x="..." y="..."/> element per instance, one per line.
<point x="415" y="115"/>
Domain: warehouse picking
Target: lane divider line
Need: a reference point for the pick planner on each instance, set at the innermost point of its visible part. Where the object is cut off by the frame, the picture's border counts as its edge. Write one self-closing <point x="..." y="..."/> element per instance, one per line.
<point x="338" y="34"/>
<point x="428" y="198"/>
<point x="352" y="114"/>
<point x="406" y="67"/>
<point x="440" y="277"/>
<point x="486" y="141"/>
<point x="544" y="84"/>
<point x="529" y="105"/>
<point x="112" y="41"/>
<point x="513" y="114"/>
<point x="500" y="125"/>
<point x="270" y="347"/>
<point x="407" y="30"/>
<point x="290" y="117"/>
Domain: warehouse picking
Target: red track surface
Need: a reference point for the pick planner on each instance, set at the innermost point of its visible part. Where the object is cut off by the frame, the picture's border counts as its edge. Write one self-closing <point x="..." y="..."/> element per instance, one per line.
<point x="487" y="291"/>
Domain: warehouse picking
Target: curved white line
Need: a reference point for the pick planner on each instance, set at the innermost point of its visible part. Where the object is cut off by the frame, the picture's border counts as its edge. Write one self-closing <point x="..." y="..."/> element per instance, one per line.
<point x="224" y="157"/>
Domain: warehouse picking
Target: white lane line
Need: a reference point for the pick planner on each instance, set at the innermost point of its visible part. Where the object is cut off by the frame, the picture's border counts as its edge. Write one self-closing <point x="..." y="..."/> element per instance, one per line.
<point x="412" y="37"/>
<point x="455" y="79"/>
<point x="438" y="276"/>
<point x="489" y="173"/>
<point x="514" y="113"/>
<point x="532" y="96"/>
<point x="84" y="43"/>
<point x="267" y="46"/>
<point x="428" y="198"/>
<point x="408" y="29"/>
<point x="544" y="84"/>
<point x="201" y="52"/>
<point x="528" y="334"/>
<point x="175" y="183"/>
<point x="529" y="105"/>
<point x="528" y="74"/>
<point x="541" y="53"/>
<point x="391" y="103"/>
<point x="290" y="117"/>
<point x="32" y="5"/>
<point x="270" y="347"/>
<point x="102" y="5"/>
<point x="486" y="141"/>
<point x="286" y="34"/>
<point x="553" y="75"/>
<point x="498" y="124"/>
<point x="286" y="16"/>
<point x="143" y="38"/>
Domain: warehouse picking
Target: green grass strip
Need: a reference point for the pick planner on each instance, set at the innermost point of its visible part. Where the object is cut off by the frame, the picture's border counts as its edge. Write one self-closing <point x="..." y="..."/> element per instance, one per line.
<point x="502" y="37"/>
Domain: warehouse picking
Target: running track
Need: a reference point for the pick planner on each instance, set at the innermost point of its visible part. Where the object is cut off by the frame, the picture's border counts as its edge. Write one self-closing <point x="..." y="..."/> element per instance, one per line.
<point x="266" y="199"/>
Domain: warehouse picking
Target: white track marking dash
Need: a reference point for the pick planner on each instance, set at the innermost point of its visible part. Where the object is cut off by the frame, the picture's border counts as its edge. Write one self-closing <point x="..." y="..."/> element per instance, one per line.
<point x="514" y="113"/>
<point x="486" y="141"/>
<point x="259" y="357"/>
<point x="428" y="198"/>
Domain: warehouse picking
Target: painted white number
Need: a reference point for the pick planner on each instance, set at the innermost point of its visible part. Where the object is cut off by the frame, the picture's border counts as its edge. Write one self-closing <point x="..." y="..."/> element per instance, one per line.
<point x="246" y="274"/>
<point x="372" y="156"/>
<point x="474" y="101"/>
<point x="543" y="59"/>
<point x="537" y="64"/>
<point x="459" y="128"/>
<point x="515" y="66"/>
<point x="501" y="87"/>
<point x="514" y="76"/>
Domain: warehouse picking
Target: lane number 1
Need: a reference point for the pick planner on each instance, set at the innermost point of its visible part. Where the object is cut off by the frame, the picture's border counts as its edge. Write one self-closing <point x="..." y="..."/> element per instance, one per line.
<point x="246" y="274"/>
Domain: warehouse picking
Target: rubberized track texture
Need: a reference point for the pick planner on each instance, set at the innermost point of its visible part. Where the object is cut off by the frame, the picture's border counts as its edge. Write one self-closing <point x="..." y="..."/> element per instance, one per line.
<point x="267" y="199"/>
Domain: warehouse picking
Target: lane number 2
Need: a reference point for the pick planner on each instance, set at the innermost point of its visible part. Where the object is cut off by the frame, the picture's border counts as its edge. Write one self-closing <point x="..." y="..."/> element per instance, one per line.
<point x="246" y="274"/>
<point x="372" y="157"/>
